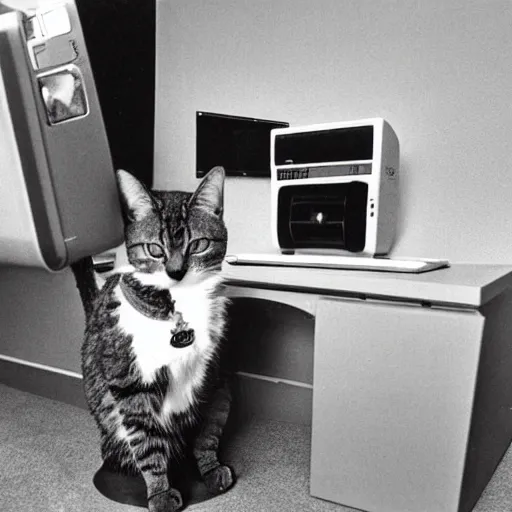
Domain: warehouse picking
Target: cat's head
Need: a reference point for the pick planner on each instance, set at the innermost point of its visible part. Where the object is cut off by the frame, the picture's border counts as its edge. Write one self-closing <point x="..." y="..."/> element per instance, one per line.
<point x="179" y="235"/>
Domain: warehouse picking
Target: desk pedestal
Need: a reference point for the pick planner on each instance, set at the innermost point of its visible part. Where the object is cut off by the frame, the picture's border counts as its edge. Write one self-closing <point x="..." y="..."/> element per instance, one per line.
<point x="412" y="385"/>
<point x="411" y="405"/>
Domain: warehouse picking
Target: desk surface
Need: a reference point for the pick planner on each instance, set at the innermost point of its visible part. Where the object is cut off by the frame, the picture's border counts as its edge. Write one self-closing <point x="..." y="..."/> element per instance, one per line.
<point x="469" y="285"/>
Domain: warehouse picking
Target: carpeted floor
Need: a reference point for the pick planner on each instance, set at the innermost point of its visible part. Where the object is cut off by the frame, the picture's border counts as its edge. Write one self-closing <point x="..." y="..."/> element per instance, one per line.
<point x="49" y="453"/>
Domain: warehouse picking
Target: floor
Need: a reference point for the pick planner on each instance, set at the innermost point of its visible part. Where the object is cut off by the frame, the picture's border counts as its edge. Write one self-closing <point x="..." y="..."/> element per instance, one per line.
<point x="49" y="453"/>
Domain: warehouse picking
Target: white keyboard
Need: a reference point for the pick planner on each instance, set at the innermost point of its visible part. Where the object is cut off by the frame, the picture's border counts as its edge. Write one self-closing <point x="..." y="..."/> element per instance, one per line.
<point x="381" y="264"/>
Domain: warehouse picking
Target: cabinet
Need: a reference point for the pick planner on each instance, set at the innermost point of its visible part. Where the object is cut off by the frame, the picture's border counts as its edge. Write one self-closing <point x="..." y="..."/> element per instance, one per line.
<point x="412" y="386"/>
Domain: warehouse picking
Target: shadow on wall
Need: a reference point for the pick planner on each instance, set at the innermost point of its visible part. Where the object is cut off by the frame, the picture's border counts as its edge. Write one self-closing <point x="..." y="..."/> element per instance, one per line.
<point x="266" y="342"/>
<point x="403" y="206"/>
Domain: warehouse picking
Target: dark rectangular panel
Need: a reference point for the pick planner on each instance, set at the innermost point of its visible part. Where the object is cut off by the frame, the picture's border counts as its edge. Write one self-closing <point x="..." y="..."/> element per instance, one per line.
<point x="120" y="39"/>
<point x="239" y="144"/>
<point x="335" y="145"/>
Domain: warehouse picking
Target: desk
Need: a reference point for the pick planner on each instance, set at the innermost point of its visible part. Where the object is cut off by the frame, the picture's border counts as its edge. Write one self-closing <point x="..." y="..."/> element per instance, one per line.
<point x="412" y="387"/>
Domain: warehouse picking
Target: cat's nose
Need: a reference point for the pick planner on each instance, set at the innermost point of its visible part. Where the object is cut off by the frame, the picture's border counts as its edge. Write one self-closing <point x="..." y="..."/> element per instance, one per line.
<point x="176" y="274"/>
<point x="176" y="266"/>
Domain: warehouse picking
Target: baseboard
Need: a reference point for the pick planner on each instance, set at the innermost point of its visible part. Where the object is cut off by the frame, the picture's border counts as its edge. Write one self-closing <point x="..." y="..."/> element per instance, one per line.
<point x="46" y="381"/>
<point x="256" y="396"/>
<point x="273" y="399"/>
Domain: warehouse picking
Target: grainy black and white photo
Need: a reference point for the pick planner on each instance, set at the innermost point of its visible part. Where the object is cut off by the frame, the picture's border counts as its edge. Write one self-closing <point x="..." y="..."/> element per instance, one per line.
<point x="255" y="256"/>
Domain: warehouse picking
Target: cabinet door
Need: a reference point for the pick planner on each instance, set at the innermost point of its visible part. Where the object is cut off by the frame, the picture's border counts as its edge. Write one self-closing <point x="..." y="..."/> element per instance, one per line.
<point x="392" y="399"/>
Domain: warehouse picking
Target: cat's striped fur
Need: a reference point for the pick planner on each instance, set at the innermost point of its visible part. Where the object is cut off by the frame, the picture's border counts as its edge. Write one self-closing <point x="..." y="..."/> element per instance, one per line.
<point x="155" y="400"/>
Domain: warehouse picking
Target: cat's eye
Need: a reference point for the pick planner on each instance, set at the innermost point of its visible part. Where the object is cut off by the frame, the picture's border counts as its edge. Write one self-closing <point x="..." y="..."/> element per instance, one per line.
<point x="199" y="245"/>
<point x="155" y="250"/>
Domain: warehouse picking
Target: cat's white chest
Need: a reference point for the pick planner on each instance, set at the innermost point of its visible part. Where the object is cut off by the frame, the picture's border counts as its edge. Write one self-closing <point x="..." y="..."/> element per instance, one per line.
<point x="151" y="343"/>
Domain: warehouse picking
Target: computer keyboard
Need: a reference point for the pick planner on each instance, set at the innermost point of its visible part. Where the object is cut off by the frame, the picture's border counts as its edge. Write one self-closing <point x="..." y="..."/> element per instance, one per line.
<point x="380" y="264"/>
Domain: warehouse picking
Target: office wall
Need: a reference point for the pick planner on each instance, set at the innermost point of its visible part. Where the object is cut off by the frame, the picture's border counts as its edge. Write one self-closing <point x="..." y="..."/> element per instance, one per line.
<point x="439" y="72"/>
<point x="41" y="318"/>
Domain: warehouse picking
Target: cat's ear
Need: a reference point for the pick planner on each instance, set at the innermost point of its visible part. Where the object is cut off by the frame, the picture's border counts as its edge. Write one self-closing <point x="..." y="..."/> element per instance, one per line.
<point x="136" y="199"/>
<point x="210" y="192"/>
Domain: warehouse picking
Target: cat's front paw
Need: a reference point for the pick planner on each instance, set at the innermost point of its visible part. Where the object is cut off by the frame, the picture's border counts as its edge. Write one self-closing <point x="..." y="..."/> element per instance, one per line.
<point x="168" y="501"/>
<point x="219" y="479"/>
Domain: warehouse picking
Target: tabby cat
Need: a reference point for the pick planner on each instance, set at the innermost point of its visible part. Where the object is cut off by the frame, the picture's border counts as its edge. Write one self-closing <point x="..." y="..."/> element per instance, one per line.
<point x="150" y="353"/>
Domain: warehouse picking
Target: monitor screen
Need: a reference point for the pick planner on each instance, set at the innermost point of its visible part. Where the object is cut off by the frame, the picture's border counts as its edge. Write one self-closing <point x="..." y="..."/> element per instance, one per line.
<point x="323" y="216"/>
<point x="239" y="144"/>
<point x="333" y="145"/>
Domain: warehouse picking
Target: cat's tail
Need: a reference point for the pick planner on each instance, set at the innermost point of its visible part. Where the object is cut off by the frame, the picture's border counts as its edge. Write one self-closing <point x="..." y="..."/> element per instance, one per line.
<point x="85" y="279"/>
